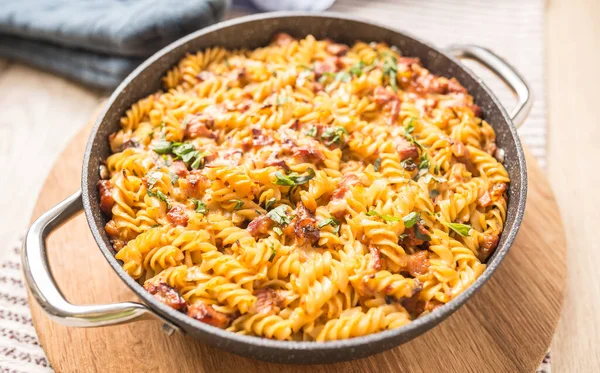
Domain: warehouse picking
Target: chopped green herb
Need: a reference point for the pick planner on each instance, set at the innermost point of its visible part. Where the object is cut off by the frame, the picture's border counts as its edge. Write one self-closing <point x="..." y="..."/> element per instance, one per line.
<point x="408" y="130"/>
<point x="282" y="99"/>
<point x="199" y="206"/>
<point x="227" y="63"/>
<point x="462" y="229"/>
<point x="408" y="164"/>
<point x="330" y="221"/>
<point x="163" y="147"/>
<point x="424" y="162"/>
<point x="238" y="204"/>
<point x="343" y="76"/>
<point x="174" y="177"/>
<point x="387" y="218"/>
<point x="434" y="193"/>
<point x="421" y="236"/>
<point x="312" y="131"/>
<point x="153" y="178"/>
<point x="334" y="135"/>
<point x="270" y="203"/>
<point x="357" y="69"/>
<point x="161" y="196"/>
<point x="273" y="252"/>
<point x="411" y="219"/>
<point x="428" y="177"/>
<point x="390" y="69"/>
<point x="278" y="231"/>
<point x="377" y="164"/>
<point x="402" y="236"/>
<point x="279" y="215"/>
<point x="305" y="67"/>
<point x="293" y="178"/>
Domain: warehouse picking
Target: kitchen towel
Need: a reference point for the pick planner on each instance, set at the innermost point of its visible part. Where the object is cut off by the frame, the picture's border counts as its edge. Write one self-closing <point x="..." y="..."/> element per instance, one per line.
<point x="95" y="42"/>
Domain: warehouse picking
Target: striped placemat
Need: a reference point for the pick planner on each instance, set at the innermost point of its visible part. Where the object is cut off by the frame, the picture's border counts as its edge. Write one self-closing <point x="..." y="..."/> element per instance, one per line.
<point x="511" y="28"/>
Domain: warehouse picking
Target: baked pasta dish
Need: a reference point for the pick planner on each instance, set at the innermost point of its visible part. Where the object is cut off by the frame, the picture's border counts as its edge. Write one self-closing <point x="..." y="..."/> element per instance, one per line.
<point x="306" y="190"/>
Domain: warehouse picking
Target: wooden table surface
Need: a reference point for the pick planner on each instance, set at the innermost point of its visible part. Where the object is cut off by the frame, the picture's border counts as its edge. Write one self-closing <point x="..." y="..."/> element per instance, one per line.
<point x="39" y="113"/>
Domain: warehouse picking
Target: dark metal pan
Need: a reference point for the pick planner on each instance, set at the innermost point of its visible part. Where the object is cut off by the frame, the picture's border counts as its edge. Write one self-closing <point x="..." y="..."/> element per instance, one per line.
<point x="252" y="32"/>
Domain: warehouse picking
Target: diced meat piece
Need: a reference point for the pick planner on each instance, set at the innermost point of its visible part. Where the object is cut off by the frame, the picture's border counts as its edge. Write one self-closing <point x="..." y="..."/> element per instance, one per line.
<point x="305" y="226"/>
<point x="318" y="87"/>
<point x="282" y="39"/>
<point x="382" y="96"/>
<point x="394" y="112"/>
<point x="208" y="315"/>
<point x="490" y="148"/>
<point x="178" y="216"/>
<point x="476" y="110"/>
<point x="239" y="77"/>
<point x="111" y="229"/>
<point x="406" y="149"/>
<point x="232" y="157"/>
<point x="268" y="302"/>
<point x="337" y="49"/>
<point x="106" y="199"/>
<point x="328" y="65"/>
<point x="166" y="294"/>
<point x="375" y="261"/>
<point x="416" y="236"/>
<point x="348" y="181"/>
<point x="417" y="263"/>
<point x="200" y="126"/>
<point x="179" y="168"/>
<point x="413" y="305"/>
<point x="277" y="163"/>
<point x="498" y="190"/>
<point x="260" y="226"/>
<point x="310" y="155"/>
<point x="489" y="244"/>
<point x="485" y="200"/>
<point x="455" y="87"/>
<point x="459" y="149"/>
<point x="118" y="244"/>
<point x="205" y="75"/>
<point x="407" y="61"/>
<point x="194" y="185"/>
<point x="260" y="139"/>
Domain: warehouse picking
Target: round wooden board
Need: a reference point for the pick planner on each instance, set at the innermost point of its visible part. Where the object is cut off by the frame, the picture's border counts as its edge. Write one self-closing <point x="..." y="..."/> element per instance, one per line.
<point x="506" y="327"/>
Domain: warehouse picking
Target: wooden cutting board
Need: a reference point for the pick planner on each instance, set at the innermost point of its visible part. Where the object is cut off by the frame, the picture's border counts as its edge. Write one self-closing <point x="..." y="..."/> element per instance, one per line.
<point x="506" y="327"/>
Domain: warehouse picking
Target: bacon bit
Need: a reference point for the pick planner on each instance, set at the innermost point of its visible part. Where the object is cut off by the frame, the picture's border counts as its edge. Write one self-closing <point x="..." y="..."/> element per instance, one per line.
<point x="282" y="39"/>
<point x="318" y="87"/>
<point x="117" y="244"/>
<point x="195" y="184"/>
<point x="394" y="112"/>
<point x="178" y="216"/>
<point x="406" y="149"/>
<point x="199" y="125"/>
<point x="462" y="154"/>
<point x="382" y="96"/>
<point x="476" y="110"/>
<point x="106" y="199"/>
<point x="485" y="200"/>
<point x="231" y="157"/>
<point x="337" y="49"/>
<point x="205" y="75"/>
<point x="489" y="244"/>
<point x="166" y="294"/>
<point x="260" y="226"/>
<point x="411" y="239"/>
<point x="413" y="305"/>
<point x="258" y="139"/>
<point x="455" y="87"/>
<point x="111" y="229"/>
<point x="498" y="190"/>
<point x="208" y="315"/>
<point x="309" y="155"/>
<point x="328" y="65"/>
<point x="277" y="163"/>
<point x="179" y="168"/>
<point x="375" y="261"/>
<point x="348" y="181"/>
<point x="238" y="77"/>
<point x="490" y="148"/>
<point x="417" y="263"/>
<point x="305" y="225"/>
<point x="408" y="61"/>
<point x="268" y="302"/>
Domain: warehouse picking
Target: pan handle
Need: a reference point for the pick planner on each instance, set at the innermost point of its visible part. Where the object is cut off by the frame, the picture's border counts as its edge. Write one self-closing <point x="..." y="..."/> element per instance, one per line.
<point x="504" y="71"/>
<point x="44" y="289"/>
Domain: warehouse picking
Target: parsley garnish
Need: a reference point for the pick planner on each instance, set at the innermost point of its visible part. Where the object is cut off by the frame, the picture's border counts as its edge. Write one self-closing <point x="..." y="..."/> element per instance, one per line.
<point x="343" y="76"/>
<point x="238" y="204"/>
<point x="273" y="252"/>
<point x="199" y="206"/>
<point x="434" y="193"/>
<point x="357" y="69"/>
<point x="270" y="202"/>
<point x="330" y="221"/>
<point x="377" y="164"/>
<point x="278" y="231"/>
<point x="163" y="147"/>
<point x="160" y="195"/>
<point x="293" y="178"/>
<point x="185" y="151"/>
<point x="387" y="218"/>
<point x="462" y="229"/>
<point x="279" y="215"/>
<point x="408" y="130"/>
<point x="390" y="69"/>
<point x="411" y="219"/>
<point x="312" y="131"/>
<point x="428" y="177"/>
<point x="334" y="135"/>
<point x="173" y="176"/>
<point x="153" y="178"/>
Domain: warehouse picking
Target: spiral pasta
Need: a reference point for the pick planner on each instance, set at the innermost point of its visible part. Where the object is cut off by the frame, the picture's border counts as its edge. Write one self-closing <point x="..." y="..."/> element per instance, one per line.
<point x="306" y="190"/>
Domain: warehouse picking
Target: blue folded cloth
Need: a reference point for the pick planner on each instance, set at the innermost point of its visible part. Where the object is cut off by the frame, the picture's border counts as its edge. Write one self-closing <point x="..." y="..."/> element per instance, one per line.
<point x="98" y="42"/>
